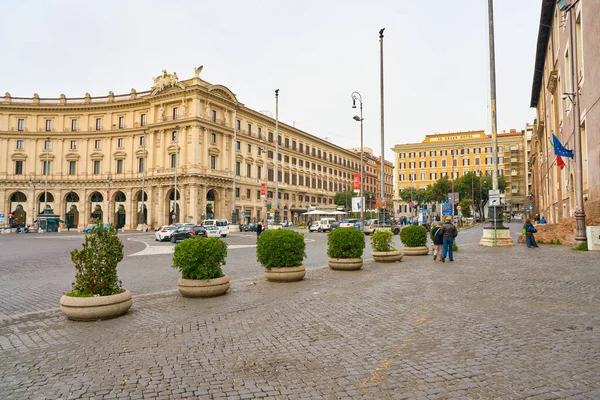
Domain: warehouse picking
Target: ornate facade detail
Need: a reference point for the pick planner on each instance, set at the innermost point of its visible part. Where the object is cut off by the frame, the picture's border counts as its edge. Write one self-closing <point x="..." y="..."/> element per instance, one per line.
<point x="166" y="81"/>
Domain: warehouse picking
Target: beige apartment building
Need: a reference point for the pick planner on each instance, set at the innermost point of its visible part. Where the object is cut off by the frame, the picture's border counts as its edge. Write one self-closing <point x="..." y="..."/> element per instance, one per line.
<point x="553" y="95"/>
<point x="95" y="153"/>
<point x="372" y="176"/>
<point x="452" y="155"/>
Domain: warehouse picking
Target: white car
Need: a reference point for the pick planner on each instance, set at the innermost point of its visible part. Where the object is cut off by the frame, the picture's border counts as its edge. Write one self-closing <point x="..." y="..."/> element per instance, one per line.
<point x="315" y="226"/>
<point x="213" y="231"/>
<point x="164" y="233"/>
<point x="222" y="224"/>
<point x="348" y="223"/>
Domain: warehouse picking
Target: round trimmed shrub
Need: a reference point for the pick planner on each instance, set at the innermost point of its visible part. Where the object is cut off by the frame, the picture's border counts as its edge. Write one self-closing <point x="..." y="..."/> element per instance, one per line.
<point x="200" y="258"/>
<point x="382" y="241"/>
<point x="414" y="236"/>
<point x="280" y="248"/>
<point x="345" y="243"/>
<point x="96" y="263"/>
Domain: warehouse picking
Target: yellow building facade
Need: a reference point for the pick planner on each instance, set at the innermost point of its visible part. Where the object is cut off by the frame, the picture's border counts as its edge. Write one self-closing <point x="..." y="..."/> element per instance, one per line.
<point x="91" y="155"/>
<point x="452" y="155"/>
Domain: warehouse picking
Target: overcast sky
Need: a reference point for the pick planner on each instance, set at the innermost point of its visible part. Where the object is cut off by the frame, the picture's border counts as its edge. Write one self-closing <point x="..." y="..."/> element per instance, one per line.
<point x="317" y="52"/>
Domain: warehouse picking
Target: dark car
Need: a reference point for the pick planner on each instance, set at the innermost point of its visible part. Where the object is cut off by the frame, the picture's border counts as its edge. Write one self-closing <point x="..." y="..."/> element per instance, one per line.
<point x="251" y="227"/>
<point x="187" y="231"/>
<point x="335" y="225"/>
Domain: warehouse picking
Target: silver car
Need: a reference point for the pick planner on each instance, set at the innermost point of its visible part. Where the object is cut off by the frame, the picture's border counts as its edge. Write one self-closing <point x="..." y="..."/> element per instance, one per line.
<point x="164" y="233"/>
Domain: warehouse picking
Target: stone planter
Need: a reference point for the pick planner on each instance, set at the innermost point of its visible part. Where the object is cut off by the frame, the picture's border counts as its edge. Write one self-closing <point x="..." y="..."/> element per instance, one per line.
<point x="387" y="256"/>
<point x="203" y="287"/>
<point x="285" y="274"/>
<point x="345" y="264"/>
<point x="416" y="251"/>
<point x="95" y="308"/>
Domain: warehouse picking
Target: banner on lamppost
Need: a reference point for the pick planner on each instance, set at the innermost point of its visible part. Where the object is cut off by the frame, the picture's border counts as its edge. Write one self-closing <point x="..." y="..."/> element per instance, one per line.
<point x="356" y="204"/>
<point x="263" y="189"/>
<point x="357" y="182"/>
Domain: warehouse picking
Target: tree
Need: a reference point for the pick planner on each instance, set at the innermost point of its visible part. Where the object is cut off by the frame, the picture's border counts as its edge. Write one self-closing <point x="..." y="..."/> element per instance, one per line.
<point x="343" y="199"/>
<point x="438" y="192"/>
<point x="465" y="207"/>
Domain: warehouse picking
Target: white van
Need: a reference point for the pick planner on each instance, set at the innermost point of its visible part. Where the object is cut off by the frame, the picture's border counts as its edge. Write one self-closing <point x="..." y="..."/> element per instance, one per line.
<point x="222" y="224"/>
<point x="325" y="224"/>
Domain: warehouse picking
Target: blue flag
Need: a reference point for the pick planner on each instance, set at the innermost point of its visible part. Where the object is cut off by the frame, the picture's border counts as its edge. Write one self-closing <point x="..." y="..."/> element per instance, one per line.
<point x="559" y="149"/>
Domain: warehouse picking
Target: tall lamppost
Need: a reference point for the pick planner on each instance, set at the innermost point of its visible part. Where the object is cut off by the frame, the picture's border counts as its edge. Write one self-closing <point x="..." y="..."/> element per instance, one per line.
<point x="33" y="181"/>
<point x="234" y="219"/>
<point x="176" y="133"/>
<point x="47" y="171"/>
<point x="357" y="96"/>
<point x="580" y="233"/>
<point x="109" y="180"/>
<point x="276" y="156"/>
<point x="382" y="124"/>
<point x="143" y="184"/>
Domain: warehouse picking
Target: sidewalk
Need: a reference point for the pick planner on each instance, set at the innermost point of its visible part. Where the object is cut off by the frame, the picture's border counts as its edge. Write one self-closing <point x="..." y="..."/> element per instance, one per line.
<point x="497" y="323"/>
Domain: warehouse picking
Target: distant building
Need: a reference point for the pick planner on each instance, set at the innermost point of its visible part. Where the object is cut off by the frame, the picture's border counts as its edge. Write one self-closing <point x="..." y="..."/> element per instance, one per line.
<point x="452" y="155"/>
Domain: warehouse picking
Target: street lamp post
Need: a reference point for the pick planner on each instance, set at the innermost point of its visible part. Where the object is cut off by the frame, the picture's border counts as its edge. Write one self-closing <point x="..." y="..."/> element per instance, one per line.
<point x="382" y="219"/>
<point x="33" y="181"/>
<point x="109" y="180"/>
<point x="176" y="161"/>
<point x="47" y="172"/>
<point x="276" y="156"/>
<point x="143" y="183"/>
<point x="234" y="219"/>
<point x="357" y="96"/>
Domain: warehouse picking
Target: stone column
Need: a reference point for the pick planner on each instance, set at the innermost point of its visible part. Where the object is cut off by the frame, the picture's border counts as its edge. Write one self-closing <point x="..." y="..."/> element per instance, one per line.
<point x="202" y="194"/>
<point x="151" y="207"/>
<point x="130" y="211"/>
<point x="193" y="207"/>
<point x="160" y="212"/>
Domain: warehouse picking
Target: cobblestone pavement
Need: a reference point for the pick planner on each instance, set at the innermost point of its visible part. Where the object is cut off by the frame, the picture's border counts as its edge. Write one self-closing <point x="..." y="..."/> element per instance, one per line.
<point x="496" y="323"/>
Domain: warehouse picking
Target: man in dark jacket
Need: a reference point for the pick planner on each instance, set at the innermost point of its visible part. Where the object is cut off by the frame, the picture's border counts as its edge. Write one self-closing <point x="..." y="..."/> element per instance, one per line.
<point x="449" y="232"/>
<point x="259" y="229"/>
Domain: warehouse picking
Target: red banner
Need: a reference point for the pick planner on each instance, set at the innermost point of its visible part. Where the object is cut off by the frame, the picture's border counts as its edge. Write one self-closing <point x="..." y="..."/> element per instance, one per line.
<point x="357" y="182"/>
<point x="263" y="189"/>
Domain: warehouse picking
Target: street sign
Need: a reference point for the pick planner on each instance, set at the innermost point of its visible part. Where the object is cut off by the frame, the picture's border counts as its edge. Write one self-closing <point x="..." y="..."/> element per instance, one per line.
<point x="1" y="218"/>
<point x="446" y="209"/>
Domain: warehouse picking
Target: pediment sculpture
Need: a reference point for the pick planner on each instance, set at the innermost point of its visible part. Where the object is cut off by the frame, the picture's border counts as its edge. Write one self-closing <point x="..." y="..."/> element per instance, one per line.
<point x="165" y="81"/>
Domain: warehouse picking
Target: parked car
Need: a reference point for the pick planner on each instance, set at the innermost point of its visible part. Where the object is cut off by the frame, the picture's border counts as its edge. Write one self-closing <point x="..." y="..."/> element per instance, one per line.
<point x="199" y="231"/>
<point x="348" y="223"/>
<point x="373" y="224"/>
<point x="315" y="226"/>
<point x="335" y="225"/>
<point x="251" y="227"/>
<point x="325" y="224"/>
<point x="88" y="228"/>
<point x="164" y="233"/>
<point x="182" y="232"/>
<point x="212" y="231"/>
<point x="222" y="224"/>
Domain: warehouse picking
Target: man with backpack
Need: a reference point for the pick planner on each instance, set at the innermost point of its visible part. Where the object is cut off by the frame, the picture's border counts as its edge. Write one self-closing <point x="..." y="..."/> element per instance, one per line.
<point x="449" y="232"/>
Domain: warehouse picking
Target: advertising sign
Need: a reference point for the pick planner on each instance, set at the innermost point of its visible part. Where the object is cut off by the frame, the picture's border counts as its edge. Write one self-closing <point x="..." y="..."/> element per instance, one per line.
<point x="357" y="182"/>
<point x="446" y="209"/>
<point x="263" y="189"/>
<point x="356" y="204"/>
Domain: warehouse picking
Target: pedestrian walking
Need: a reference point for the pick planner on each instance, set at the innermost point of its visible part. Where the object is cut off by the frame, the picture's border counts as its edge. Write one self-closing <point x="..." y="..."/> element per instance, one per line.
<point x="449" y="232"/>
<point x="528" y="231"/>
<point x="259" y="229"/>
<point x="438" y="241"/>
<point x="309" y="224"/>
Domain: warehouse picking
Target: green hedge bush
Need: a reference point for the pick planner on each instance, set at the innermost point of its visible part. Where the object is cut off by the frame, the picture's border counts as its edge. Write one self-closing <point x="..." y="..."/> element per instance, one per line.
<point x="280" y="248"/>
<point x="382" y="241"/>
<point x="200" y="258"/>
<point x="96" y="264"/>
<point x="581" y="247"/>
<point x="345" y="243"/>
<point x="413" y="236"/>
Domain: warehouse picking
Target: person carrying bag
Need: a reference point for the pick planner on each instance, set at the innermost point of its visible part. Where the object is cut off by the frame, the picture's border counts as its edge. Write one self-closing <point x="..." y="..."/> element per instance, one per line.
<point x="528" y="231"/>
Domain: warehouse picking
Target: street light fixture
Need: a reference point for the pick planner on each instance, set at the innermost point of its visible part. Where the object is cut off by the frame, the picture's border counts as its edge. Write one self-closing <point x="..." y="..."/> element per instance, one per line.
<point x="176" y="133"/>
<point x="276" y="156"/>
<point x="382" y="219"/>
<point x="33" y="181"/>
<point x="357" y="96"/>
<point x="47" y="171"/>
<point x="234" y="217"/>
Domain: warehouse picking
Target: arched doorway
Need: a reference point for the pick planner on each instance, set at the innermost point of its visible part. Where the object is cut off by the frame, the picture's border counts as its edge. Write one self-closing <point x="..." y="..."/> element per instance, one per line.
<point x="96" y="200"/>
<point x="210" y="204"/>
<point x="43" y="203"/>
<point x="174" y="210"/>
<point x="120" y="217"/>
<point x="18" y="201"/>
<point x="72" y="210"/>
<point x="141" y="219"/>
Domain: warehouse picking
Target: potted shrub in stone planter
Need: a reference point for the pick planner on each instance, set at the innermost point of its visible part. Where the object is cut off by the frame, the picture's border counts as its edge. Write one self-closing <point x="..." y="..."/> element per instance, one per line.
<point x="414" y="239"/>
<point x="281" y="253"/>
<point x="97" y="292"/>
<point x="345" y="248"/>
<point x="383" y="251"/>
<point x="199" y="260"/>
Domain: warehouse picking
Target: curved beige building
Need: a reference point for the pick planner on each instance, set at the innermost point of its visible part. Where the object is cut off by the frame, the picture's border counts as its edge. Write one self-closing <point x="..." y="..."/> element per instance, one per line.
<point x="100" y="150"/>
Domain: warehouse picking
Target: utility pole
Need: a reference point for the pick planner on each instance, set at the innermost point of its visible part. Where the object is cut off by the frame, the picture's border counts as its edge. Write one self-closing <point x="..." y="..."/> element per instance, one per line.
<point x="234" y="219"/>
<point x="47" y="172"/>
<point x="175" y="216"/>
<point x="143" y="183"/>
<point x="382" y="219"/>
<point x="277" y="156"/>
